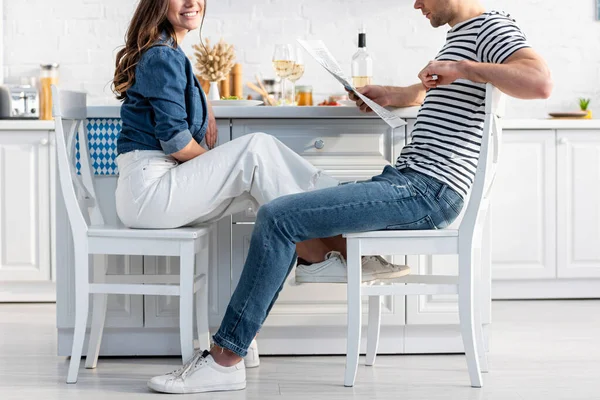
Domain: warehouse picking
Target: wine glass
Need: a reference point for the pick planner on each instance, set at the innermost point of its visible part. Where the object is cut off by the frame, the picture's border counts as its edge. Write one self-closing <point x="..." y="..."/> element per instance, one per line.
<point x="283" y="63"/>
<point x="297" y="72"/>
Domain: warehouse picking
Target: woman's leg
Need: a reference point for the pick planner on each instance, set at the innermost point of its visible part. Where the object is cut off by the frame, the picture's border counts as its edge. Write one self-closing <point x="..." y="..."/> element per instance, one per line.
<point x="256" y="168"/>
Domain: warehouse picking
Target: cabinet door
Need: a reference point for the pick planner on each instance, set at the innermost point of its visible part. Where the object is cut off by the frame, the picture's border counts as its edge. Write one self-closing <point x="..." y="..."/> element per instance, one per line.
<point x="578" y="204"/>
<point x="524" y="207"/>
<point x="24" y="206"/>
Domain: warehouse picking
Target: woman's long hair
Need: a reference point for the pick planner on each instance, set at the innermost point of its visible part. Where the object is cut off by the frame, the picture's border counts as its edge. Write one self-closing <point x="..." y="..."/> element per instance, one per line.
<point x="148" y="23"/>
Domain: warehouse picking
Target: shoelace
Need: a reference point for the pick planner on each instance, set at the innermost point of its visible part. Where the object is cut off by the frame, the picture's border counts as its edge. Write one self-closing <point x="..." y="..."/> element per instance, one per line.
<point x="335" y="254"/>
<point x="379" y="259"/>
<point x="186" y="368"/>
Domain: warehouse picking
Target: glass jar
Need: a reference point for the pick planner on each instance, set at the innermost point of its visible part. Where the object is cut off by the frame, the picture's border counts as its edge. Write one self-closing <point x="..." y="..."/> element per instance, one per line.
<point x="304" y="95"/>
<point x="48" y="77"/>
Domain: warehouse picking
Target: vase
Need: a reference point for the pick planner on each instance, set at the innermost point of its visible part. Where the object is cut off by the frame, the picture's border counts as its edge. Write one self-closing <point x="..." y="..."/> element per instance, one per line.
<point x="213" y="91"/>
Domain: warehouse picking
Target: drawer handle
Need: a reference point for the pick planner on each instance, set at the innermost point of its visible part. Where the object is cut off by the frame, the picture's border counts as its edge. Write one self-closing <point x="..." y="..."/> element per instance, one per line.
<point x="44" y="142"/>
<point x="563" y="140"/>
<point x="319" y="144"/>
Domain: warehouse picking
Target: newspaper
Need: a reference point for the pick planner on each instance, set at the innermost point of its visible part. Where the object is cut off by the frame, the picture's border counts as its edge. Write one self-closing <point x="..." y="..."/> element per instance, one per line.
<point x="319" y="51"/>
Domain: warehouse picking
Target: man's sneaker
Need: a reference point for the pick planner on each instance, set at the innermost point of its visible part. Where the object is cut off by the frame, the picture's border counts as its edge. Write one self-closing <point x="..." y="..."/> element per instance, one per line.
<point x="333" y="270"/>
<point x="252" y="360"/>
<point x="383" y="269"/>
<point x="201" y="374"/>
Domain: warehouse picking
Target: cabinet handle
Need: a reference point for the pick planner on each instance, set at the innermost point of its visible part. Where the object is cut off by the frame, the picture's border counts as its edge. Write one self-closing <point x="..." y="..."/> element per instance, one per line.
<point x="44" y="142"/>
<point x="563" y="140"/>
<point x="319" y="144"/>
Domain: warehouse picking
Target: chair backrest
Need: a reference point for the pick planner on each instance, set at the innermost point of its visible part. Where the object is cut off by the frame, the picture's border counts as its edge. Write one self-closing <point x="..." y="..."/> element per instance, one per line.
<point x="70" y="111"/>
<point x="478" y="202"/>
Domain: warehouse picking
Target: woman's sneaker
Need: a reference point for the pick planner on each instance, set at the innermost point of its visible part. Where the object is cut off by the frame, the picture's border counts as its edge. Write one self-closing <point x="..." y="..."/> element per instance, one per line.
<point x="334" y="270"/>
<point x="252" y="360"/>
<point x="201" y="374"/>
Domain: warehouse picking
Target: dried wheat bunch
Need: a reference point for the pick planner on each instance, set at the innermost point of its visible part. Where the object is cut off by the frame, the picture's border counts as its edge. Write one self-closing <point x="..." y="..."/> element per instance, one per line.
<point x="214" y="64"/>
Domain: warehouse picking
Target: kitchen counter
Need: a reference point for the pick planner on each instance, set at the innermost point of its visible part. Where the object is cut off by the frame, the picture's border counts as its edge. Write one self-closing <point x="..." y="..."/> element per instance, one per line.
<point x="551" y="124"/>
<point x="25" y="125"/>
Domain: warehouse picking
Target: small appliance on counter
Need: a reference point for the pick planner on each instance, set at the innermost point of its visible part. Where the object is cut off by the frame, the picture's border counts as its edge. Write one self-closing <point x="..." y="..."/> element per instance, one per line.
<point x="19" y="102"/>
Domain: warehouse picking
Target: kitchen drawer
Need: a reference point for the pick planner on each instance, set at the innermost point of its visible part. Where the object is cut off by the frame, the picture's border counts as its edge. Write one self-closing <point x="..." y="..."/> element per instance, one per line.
<point x="330" y="143"/>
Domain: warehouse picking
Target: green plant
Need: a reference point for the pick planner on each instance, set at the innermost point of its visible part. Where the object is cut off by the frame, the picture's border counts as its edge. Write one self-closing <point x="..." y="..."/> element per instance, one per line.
<point x="583" y="104"/>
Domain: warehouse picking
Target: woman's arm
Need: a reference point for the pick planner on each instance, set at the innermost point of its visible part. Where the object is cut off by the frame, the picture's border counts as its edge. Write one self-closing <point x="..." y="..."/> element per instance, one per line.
<point x="191" y="150"/>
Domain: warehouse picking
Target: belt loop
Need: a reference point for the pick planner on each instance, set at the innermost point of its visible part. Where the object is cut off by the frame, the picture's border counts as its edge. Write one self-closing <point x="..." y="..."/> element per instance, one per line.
<point x="440" y="192"/>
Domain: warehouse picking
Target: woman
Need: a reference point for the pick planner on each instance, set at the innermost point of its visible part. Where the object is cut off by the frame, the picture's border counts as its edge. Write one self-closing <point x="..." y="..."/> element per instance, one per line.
<point x="167" y="178"/>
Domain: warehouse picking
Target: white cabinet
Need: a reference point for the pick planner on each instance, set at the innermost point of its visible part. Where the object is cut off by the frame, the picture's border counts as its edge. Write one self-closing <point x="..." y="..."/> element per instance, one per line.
<point x="578" y="201"/>
<point x="25" y="256"/>
<point x="524" y="207"/>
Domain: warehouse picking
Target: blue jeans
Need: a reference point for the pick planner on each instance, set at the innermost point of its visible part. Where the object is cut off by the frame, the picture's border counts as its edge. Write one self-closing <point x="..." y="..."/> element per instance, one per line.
<point x="392" y="200"/>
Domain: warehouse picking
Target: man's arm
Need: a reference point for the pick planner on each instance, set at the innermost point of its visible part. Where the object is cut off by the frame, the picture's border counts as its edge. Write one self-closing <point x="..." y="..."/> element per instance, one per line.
<point x="523" y="75"/>
<point x="391" y="96"/>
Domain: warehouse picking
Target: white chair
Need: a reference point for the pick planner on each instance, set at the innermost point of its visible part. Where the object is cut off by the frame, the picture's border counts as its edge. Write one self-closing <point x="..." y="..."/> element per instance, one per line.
<point x="466" y="241"/>
<point x="91" y="236"/>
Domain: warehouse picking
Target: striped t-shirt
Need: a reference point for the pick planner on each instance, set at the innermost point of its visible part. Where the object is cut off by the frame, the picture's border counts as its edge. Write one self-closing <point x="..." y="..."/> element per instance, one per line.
<point x="447" y="137"/>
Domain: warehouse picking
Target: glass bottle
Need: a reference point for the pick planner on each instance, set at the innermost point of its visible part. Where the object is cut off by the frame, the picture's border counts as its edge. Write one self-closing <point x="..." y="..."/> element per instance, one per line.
<point x="48" y="77"/>
<point x="362" y="63"/>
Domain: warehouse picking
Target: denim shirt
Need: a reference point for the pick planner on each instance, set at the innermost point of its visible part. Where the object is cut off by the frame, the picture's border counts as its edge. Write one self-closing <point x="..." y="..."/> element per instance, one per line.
<point x="165" y="107"/>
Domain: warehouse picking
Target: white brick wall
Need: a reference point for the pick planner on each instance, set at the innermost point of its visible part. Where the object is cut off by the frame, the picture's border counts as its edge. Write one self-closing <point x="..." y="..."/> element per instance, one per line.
<point x="82" y="35"/>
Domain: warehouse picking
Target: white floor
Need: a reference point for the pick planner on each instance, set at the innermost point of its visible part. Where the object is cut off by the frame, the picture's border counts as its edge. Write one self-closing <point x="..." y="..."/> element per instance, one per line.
<point x="546" y="350"/>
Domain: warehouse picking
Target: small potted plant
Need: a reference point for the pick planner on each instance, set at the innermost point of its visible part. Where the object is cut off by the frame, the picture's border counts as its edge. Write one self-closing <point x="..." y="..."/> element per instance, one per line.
<point x="584" y="104"/>
<point x="214" y="64"/>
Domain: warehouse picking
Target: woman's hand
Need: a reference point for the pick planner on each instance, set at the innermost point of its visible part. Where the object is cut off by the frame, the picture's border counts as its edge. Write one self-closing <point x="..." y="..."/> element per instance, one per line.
<point x="212" y="132"/>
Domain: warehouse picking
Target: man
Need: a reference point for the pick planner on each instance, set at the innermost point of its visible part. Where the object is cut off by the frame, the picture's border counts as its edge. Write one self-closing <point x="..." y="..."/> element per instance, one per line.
<point x="425" y="189"/>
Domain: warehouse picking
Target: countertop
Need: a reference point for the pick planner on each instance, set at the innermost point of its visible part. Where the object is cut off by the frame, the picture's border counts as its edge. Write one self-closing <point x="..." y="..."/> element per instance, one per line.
<point x="352" y="112"/>
<point x="25" y="125"/>
<point x="312" y="112"/>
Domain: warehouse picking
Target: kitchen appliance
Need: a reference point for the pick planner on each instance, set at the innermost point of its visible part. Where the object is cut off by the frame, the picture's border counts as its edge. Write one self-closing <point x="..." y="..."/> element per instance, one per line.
<point x="19" y="102"/>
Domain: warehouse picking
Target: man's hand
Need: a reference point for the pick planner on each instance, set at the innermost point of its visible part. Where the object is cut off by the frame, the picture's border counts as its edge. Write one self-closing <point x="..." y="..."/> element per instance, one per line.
<point x="212" y="132"/>
<point x="445" y="71"/>
<point x="379" y="94"/>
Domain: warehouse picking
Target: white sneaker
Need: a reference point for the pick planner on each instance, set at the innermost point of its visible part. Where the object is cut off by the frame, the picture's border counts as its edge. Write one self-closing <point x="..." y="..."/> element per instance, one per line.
<point x="201" y="374"/>
<point x="333" y="270"/>
<point x="252" y="360"/>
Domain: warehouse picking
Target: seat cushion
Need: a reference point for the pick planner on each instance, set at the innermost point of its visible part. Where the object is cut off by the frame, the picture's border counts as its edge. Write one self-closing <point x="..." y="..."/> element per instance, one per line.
<point x="122" y="231"/>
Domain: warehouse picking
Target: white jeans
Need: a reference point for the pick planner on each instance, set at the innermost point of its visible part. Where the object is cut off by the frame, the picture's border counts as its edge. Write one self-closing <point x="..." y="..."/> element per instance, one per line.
<point x="156" y="191"/>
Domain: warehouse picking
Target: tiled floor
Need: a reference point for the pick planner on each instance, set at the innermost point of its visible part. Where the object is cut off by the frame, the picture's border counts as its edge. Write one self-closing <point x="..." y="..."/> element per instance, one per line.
<point x="541" y="350"/>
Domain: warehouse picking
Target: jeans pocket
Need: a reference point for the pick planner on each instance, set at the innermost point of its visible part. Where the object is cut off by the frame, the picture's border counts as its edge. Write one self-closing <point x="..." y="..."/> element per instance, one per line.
<point x="422" y="224"/>
<point x="156" y="169"/>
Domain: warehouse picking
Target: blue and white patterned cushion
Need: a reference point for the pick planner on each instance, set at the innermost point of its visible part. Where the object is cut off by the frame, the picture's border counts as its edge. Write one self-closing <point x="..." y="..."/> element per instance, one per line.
<point x="102" y="138"/>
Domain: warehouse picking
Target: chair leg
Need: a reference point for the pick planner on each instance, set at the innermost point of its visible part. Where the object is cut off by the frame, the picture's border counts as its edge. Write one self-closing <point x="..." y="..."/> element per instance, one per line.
<point x="82" y="296"/>
<point x="466" y="314"/>
<point x="186" y="300"/>
<point x="374" y="329"/>
<point x="202" y="302"/>
<point x="477" y="309"/>
<point x="98" y="318"/>
<point x="354" y="311"/>
<point x="98" y="313"/>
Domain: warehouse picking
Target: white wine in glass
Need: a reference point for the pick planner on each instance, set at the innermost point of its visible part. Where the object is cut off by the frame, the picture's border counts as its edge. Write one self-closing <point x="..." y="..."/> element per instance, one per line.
<point x="297" y="72"/>
<point x="283" y="63"/>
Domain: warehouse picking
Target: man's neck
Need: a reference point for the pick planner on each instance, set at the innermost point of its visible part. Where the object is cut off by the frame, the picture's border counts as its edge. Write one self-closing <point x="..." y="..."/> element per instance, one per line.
<point x="466" y="12"/>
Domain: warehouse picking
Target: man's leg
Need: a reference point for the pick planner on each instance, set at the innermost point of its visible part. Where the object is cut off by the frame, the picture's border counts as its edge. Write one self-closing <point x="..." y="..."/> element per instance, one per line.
<point x="291" y="219"/>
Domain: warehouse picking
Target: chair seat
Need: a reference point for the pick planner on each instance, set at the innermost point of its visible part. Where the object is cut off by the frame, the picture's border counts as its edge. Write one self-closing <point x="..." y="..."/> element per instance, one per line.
<point x="429" y="233"/>
<point x="121" y="231"/>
